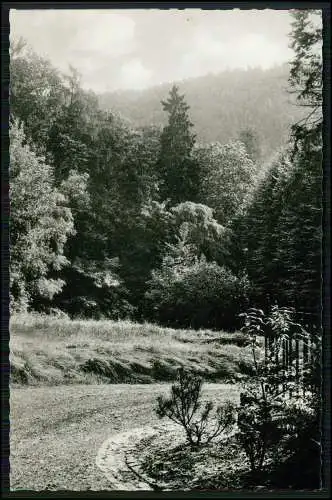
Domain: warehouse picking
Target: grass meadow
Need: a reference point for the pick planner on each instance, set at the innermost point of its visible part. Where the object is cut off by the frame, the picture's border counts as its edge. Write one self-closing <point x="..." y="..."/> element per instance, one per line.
<point x="55" y="351"/>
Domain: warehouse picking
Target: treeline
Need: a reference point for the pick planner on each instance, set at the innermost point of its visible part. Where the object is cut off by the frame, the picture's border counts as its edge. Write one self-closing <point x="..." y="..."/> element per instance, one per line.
<point x="221" y="105"/>
<point x="111" y="221"/>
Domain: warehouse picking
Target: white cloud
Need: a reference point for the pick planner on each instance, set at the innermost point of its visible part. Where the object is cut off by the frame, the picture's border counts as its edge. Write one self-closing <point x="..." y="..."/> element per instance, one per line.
<point x="103" y="32"/>
<point x="205" y="53"/>
<point x="256" y="50"/>
<point x="78" y="37"/>
<point x="210" y="54"/>
<point x="134" y="75"/>
<point x="137" y="48"/>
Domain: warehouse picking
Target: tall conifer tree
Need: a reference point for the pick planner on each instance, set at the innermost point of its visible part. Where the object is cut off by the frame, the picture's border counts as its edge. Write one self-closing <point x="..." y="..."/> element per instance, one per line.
<point x="178" y="172"/>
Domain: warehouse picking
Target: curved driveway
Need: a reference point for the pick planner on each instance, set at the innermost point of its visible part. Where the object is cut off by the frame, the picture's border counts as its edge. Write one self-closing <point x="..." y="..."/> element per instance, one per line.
<point x="56" y="432"/>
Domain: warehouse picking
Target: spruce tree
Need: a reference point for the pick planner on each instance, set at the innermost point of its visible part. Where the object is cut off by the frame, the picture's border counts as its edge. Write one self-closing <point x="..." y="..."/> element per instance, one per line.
<point x="249" y="138"/>
<point x="278" y="238"/>
<point x="178" y="172"/>
<point x="306" y="79"/>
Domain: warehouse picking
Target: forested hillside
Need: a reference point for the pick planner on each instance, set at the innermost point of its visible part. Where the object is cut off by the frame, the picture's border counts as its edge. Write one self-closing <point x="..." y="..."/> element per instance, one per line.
<point x="113" y="219"/>
<point x="221" y="105"/>
<point x="169" y="235"/>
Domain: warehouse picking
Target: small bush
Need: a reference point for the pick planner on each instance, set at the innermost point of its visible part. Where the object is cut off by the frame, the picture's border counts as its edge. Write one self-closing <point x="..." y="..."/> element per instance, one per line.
<point x="259" y="429"/>
<point x="195" y="293"/>
<point x="301" y="444"/>
<point x="183" y="408"/>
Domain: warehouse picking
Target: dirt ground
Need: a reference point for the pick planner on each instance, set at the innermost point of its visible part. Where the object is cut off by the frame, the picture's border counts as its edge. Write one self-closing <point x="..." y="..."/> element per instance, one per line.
<point x="56" y="432"/>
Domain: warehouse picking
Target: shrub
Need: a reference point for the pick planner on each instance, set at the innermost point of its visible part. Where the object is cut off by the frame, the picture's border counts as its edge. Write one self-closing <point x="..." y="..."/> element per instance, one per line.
<point x="301" y="446"/>
<point x="183" y="406"/>
<point x="275" y="420"/>
<point x="258" y="430"/>
<point x="194" y="293"/>
<point x="202" y="231"/>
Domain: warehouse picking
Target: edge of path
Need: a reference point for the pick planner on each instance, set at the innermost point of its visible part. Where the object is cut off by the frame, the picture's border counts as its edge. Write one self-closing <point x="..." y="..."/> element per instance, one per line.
<point x="115" y="458"/>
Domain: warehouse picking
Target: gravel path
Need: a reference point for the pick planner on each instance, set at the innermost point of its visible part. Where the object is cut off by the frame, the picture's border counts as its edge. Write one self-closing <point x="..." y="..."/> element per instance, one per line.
<point x="116" y="453"/>
<point x="56" y="432"/>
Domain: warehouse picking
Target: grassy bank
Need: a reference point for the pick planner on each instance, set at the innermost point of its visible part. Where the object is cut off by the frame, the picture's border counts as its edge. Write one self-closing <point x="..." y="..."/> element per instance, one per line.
<point x="50" y="351"/>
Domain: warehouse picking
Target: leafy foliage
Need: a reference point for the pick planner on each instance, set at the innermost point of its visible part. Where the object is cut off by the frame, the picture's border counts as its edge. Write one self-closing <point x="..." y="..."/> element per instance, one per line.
<point x="189" y="291"/>
<point x="41" y="222"/>
<point x="227" y="174"/>
<point x="274" y="416"/>
<point x="167" y="229"/>
<point x="36" y="93"/>
<point x="100" y="292"/>
<point x="201" y="230"/>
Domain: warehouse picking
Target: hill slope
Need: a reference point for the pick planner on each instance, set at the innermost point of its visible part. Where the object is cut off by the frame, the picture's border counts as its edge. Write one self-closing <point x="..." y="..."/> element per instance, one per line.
<point x="48" y="351"/>
<point x="221" y="105"/>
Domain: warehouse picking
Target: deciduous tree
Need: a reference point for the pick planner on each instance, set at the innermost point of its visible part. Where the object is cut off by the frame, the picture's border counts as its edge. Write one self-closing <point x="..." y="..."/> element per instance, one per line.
<point x="40" y="223"/>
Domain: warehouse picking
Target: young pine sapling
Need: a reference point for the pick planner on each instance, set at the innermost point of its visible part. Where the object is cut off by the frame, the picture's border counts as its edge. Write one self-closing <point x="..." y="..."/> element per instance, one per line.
<point x="183" y="405"/>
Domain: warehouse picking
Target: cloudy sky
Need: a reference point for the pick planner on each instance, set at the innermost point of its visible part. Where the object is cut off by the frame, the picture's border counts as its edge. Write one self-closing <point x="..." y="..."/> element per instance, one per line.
<point x="135" y="49"/>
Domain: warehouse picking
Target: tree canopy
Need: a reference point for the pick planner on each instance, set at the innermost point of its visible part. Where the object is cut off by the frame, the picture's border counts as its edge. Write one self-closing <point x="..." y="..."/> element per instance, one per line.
<point x="150" y="221"/>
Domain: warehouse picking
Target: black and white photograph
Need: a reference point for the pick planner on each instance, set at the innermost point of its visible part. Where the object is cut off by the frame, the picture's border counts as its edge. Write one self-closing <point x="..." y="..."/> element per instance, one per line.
<point x="165" y="238"/>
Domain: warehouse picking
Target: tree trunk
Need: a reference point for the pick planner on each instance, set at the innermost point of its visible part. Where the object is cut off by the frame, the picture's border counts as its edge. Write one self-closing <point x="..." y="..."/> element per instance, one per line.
<point x="266" y="353"/>
<point x="283" y="364"/>
<point x="305" y="362"/>
<point x="291" y="361"/>
<point x="297" y="364"/>
<point x="287" y="361"/>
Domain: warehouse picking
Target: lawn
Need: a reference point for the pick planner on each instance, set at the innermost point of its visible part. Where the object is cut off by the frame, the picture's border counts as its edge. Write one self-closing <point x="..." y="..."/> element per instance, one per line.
<point x="52" y="351"/>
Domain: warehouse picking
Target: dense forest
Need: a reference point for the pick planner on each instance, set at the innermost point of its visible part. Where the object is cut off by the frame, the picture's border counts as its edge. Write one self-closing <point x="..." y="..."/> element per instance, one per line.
<point x="175" y="215"/>
<point x="221" y="105"/>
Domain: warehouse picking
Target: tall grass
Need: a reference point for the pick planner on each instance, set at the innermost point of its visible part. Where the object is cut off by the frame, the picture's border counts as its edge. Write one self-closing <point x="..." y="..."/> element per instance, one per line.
<point x="49" y="350"/>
